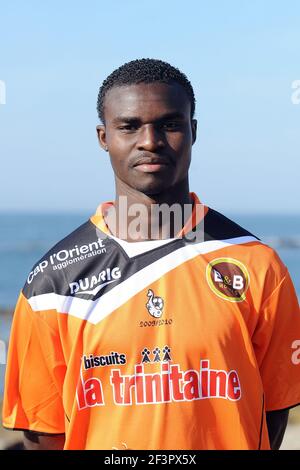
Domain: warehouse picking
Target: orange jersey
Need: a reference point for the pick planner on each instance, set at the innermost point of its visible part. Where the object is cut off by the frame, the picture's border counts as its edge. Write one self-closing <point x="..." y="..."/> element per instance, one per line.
<point x="167" y="344"/>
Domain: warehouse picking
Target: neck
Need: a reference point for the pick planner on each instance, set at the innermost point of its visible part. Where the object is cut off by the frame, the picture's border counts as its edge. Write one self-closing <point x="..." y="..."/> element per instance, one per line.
<point x="135" y="214"/>
<point x="177" y="194"/>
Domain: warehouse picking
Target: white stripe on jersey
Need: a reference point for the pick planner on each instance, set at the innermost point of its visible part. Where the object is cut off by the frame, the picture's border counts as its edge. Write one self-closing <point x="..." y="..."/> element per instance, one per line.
<point x="138" y="248"/>
<point x="94" y="311"/>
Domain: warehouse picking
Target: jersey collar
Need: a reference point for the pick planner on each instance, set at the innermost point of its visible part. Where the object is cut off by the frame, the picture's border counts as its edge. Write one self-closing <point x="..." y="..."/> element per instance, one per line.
<point x="198" y="213"/>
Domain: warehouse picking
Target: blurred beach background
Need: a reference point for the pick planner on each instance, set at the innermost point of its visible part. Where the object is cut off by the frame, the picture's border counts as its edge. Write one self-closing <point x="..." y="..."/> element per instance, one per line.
<point x="24" y="238"/>
<point x="242" y="59"/>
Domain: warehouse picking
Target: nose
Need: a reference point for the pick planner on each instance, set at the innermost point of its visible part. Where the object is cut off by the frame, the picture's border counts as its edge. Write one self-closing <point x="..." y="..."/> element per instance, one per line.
<point x="150" y="138"/>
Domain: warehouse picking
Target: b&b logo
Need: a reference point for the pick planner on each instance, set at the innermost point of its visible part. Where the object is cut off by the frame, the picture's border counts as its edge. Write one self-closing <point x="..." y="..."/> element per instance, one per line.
<point x="228" y="278"/>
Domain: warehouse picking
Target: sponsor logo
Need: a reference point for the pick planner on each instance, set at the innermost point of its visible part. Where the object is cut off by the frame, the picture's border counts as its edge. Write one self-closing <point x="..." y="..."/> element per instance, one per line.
<point x="112" y="359"/>
<point x="40" y="268"/>
<point x="228" y="278"/>
<point x="169" y="383"/>
<point x="158" y="355"/>
<point x="296" y="354"/>
<point x="63" y="258"/>
<point x="87" y="285"/>
<point x="154" y="305"/>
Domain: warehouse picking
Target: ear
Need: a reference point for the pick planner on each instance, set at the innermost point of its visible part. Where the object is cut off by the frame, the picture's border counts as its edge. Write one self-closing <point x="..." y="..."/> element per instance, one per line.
<point x="101" y="134"/>
<point x="194" y="130"/>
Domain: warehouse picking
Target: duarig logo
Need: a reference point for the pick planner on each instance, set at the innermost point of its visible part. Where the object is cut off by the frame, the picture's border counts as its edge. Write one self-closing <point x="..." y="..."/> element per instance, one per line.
<point x="92" y="285"/>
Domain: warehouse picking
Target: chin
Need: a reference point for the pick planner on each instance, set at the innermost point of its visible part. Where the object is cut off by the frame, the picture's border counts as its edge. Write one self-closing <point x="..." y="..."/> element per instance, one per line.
<point x="153" y="183"/>
<point x="153" y="189"/>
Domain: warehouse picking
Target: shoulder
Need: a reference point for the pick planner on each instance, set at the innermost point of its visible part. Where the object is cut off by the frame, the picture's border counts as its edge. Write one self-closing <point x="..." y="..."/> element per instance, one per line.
<point x="257" y="255"/>
<point x="51" y="270"/>
<point x="219" y="227"/>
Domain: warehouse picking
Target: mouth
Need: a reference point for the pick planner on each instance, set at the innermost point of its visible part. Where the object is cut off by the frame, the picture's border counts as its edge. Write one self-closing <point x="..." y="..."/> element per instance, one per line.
<point x="152" y="165"/>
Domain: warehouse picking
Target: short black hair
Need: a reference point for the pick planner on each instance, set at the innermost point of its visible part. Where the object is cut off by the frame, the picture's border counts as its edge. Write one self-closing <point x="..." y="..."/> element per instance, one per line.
<point x="144" y="71"/>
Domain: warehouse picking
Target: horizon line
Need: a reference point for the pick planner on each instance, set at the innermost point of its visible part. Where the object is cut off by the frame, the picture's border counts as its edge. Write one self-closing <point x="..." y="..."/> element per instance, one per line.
<point x="87" y="212"/>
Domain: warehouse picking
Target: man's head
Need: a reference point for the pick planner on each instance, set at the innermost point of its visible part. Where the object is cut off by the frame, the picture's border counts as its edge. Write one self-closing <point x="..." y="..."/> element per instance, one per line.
<point x="147" y="108"/>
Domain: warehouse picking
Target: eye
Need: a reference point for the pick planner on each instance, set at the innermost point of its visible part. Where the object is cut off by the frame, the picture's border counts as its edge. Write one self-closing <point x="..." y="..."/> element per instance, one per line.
<point x="171" y="125"/>
<point x="128" y="127"/>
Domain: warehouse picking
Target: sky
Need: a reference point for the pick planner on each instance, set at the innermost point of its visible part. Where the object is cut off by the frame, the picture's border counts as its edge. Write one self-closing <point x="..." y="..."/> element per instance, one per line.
<point x="242" y="58"/>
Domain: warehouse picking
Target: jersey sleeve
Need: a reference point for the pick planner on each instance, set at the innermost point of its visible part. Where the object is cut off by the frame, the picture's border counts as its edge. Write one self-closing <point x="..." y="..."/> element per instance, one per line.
<point x="276" y="342"/>
<point x="34" y="373"/>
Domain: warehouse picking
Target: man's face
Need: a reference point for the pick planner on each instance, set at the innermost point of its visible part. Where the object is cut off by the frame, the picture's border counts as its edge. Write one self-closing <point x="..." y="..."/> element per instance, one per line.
<point x="149" y="135"/>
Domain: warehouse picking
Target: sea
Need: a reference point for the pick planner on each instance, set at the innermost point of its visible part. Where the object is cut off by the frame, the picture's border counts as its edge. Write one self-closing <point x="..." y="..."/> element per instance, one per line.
<point x="25" y="238"/>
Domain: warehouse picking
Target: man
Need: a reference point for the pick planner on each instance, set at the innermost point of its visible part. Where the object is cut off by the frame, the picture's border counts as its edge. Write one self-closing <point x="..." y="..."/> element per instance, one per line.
<point x="161" y="334"/>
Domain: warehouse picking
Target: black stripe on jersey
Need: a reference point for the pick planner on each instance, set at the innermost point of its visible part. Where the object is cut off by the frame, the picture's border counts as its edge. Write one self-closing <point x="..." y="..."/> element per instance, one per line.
<point x="219" y="227"/>
<point x="36" y="433"/>
<point x="83" y="263"/>
<point x="261" y="421"/>
<point x="78" y="264"/>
